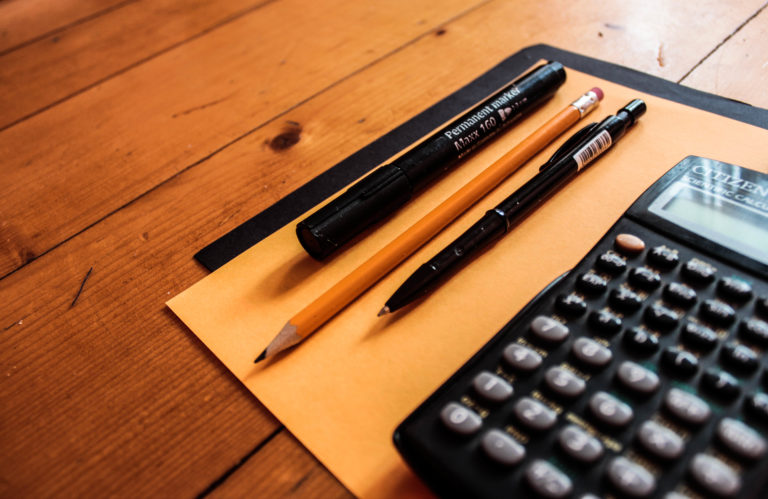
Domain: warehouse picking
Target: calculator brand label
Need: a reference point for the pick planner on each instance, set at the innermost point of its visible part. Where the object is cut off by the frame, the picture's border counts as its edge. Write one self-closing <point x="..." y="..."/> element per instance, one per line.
<point x="739" y="189"/>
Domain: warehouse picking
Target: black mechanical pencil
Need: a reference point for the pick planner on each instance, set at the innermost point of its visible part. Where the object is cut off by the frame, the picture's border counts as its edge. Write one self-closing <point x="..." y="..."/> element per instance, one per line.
<point x="575" y="154"/>
<point x="391" y="186"/>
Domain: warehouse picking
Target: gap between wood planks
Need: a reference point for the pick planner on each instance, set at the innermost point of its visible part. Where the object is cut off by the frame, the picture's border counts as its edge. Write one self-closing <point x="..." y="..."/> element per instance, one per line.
<point x="430" y="31"/>
<point x="127" y="68"/>
<point x="66" y="27"/>
<point x="240" y="463"/>
<point x="723" y="42"/>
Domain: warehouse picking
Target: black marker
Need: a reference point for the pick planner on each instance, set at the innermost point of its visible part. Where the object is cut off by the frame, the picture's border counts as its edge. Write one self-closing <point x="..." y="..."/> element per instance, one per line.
<point x="575" y="154"/>
<point x="391" y="186"/>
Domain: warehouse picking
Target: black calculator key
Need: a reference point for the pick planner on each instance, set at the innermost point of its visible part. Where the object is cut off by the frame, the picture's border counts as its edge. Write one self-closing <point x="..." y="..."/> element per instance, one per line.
<point x="661" y="318"/>
<point x="502" y="448"/>
<point x="679" y="294"/>
<point x="717" y="312"/>
<point x="660" y="440"/>
<point x="699" y="337"/>
<point x="761" y="307"/>
<point x="644" y="278"/>
<point x="610" y="410"/>
<point x="590" y="353"/>
<point x="625" y="300"/>
<point x="460" y="419"/>
<point x="680" y="363"/>
<point x="756" y="405"/>
<point x="611" y="263"/>
<point x="663" y="257"/>
<point x="714" y="476"/>
<point x="534" y="415"/>
<point x="548" y="481"/>
<point x="591" y="284"/>
<point x="564" y="383"/>
<point x="629" y="478"/>
<point x="605" y="322"/>
<point x="579" y="444"/>
<point x="571" y="305"/>
<point x="640" y="342"/>
<point x="549" y="330"/>
<point x="734" y="289"/>
<point x="492" y="387"/>
<point x="521" y="358"/>
<point x="720" y="384"/>
<point x="687" y="407"/>
<point x="740" y="358"/>
<point x="699" y="272"/>
<point x="741" y="439"/>
<point x="755" y="331"/>
<point x="637" y="378"/>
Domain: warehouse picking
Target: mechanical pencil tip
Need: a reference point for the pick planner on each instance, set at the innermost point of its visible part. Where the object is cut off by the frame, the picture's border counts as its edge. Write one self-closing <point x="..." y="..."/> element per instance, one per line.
<point x="383" y="311"/>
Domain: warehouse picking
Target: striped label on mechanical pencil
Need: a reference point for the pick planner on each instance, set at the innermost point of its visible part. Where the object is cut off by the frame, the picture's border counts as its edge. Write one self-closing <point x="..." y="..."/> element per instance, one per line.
<point x="592" y="149"/>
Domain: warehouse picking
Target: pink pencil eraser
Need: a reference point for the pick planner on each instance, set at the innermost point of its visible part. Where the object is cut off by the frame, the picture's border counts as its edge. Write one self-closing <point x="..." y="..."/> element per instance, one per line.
<point x="598" y="92"/>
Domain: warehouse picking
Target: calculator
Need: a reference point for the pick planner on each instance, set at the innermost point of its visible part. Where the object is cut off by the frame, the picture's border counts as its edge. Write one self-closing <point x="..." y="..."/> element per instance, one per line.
<point x="642" y="372"/>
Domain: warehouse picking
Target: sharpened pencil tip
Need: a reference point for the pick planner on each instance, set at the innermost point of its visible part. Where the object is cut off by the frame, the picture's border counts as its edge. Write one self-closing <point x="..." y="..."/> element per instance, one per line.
<point x="383" y="311"/>
<point x="261" y="357"/>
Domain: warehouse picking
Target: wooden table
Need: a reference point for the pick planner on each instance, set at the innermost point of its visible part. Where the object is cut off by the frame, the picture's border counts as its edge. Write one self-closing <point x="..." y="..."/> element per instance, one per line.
<point x="133" y="133"/>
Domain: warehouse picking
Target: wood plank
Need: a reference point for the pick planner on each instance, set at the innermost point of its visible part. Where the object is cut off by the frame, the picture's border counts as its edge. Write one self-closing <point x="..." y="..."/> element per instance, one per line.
<point x="301" y="474"/>
<point x="195" y="99"/>
<point x="125" y="407"/>
<point x="22" y="21"/>
<point x="64" y="63"/>
<point x="739" y="68"/>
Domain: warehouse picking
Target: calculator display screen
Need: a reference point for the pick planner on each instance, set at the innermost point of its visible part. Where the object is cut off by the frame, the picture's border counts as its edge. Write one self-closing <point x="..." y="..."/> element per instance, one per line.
<point x="731" y="223"/>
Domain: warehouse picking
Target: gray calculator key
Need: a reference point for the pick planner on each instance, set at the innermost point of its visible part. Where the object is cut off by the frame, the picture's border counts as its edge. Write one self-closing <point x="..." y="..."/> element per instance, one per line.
<point x="610" y="410"/>
<point x="548" y="329"/>
<point x="660" y="440"/>
<point x="502" y="448"/>
<point x="564" y="383"/>
<point x="591" y="352"/>
<point x="534" y="414"/>
<point x="715" y="476"/>
<point x="741" y="439"/>
<point x="492" y="387"/>
<point x="521" y="358"/>
<point x="548" y="481"/>
<point x="579" y="444"/>
<point x="630" y="478"/>
<point x="687" y="406"/>
<point x="637" y="378"/>
<point x="460" y="419"/>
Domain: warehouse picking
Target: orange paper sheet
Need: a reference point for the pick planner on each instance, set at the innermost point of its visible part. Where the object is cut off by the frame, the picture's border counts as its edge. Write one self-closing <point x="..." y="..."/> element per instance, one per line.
<point x="343" y="391"/>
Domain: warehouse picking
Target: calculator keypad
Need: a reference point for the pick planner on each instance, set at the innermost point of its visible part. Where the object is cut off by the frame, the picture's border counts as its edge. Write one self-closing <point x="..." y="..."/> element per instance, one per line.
<point x="641" y="374"/>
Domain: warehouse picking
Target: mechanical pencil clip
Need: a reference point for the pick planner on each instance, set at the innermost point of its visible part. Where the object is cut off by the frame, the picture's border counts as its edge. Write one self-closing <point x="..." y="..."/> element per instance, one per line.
<point x="584" y="147"/>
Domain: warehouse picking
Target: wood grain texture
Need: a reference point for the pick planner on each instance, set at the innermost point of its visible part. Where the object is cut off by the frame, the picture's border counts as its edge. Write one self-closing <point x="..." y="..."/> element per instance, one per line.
<point x="62" y="64"/>
<point x="196" y="99"/>
<point x="112" y="395"/>
<point x="303" y="476"/>
<point x="738" y="69"/>
<point x="22" y="21"/>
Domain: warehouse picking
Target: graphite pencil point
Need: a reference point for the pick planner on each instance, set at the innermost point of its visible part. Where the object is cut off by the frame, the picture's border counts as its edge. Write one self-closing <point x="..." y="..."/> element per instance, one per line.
<point x="261" y="357"/>
<point x="383" y="311"/>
